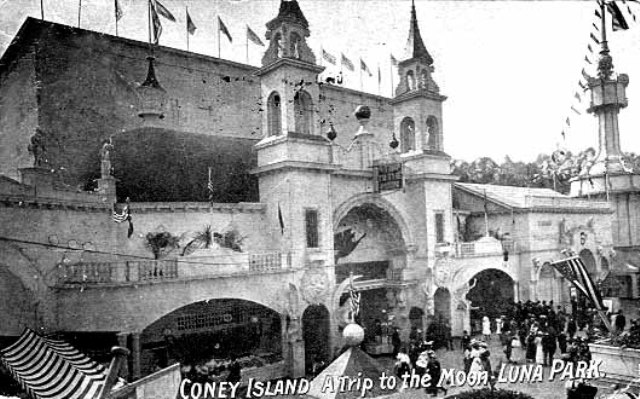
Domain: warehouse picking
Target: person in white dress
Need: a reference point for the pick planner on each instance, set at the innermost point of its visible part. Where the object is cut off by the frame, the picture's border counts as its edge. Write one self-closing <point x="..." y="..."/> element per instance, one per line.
<point x="498" y="326"/>
<point x="486" y="328"/>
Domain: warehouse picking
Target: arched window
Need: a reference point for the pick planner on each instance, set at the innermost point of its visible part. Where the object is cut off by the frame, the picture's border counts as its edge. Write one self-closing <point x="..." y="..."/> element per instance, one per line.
<point x="433" y="133"/>
<point x="303" y="111"/>
<point x="408" y="134"/>
<point x="277" y="39"/>
<point x="294" y="51"/>
<point x="424" y="79"/>
<point x="411" y="81"/>
<point x="274" y="114"/>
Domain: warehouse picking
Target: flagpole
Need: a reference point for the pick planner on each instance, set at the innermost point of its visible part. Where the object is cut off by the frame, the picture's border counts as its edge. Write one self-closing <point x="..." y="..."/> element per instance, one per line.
<point x="42" y="10"/>
<point x="391" y="75"/>
<point x="79" y="11"/>
<point x="219" y="21"/>
<point x="361" y="84"/>
<point x="486" y="216"/>
<point x="186" y="18"/>
<point x="115" y="13"/>
<point x="247" y="44"/>
<point x="149" y="18"/>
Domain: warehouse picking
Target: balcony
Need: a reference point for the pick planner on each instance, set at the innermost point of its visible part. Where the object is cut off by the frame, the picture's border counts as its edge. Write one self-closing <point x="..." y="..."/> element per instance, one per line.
<point x="149" y="271"/>
<point x="485" y="246"/>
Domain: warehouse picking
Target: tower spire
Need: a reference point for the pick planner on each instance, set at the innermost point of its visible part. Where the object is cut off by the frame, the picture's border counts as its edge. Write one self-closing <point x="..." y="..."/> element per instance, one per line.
<point x="415" y="48"/>
<point x="605" y="63"/>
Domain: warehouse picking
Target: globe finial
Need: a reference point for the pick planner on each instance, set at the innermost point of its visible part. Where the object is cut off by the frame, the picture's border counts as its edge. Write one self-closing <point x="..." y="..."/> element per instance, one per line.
<point x="353" y="334"/>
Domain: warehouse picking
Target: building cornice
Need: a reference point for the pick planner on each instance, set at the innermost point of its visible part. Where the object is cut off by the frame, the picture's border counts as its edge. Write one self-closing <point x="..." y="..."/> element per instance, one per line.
<point x="289" y="62"/>
<point x="421" y="93"/>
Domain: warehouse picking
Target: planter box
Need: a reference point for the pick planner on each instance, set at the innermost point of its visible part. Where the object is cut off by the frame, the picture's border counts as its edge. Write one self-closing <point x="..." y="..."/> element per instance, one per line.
<point x="620" y="365"/>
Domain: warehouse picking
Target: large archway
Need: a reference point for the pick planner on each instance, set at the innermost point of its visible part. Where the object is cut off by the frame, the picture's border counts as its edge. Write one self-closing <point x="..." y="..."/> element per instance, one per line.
<point x="492" y="295"/>
<point x="213" y="332"/>
<point x="315" y="332"/>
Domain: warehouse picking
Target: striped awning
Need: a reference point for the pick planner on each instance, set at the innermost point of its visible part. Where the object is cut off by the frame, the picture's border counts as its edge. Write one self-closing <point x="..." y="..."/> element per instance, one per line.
<point x="52" y="369"/>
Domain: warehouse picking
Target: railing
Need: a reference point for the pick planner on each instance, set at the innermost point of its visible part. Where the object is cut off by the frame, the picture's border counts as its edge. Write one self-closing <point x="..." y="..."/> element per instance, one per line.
<point x="464" y="249"/>
<point x="368" y="270"/>
<point x="132" y="271"/>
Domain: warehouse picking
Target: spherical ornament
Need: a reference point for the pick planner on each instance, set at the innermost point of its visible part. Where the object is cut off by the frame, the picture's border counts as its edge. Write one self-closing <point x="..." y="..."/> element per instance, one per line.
<point x="394" y="143"/>
<point x="362" y="112"/>
<point x="353" y="334"/>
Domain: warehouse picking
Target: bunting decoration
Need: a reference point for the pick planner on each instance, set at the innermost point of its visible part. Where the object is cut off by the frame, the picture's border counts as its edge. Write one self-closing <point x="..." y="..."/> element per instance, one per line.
<point x="344" y="61"/>
<point x="594" y="38"/>
<point x="328" y="57"/>
<point x="252" y="36"/>
<point x="575" y="110"/>
<point x="618" y="21"/>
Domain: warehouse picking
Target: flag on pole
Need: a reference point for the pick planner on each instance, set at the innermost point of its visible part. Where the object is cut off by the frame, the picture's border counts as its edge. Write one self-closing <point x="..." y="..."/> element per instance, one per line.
<point x="118" y="10"/>
<point x="354" y="297"/>
<point x="162" y="10"/>
<point x="619" y="23"/>
<point x="394" y="62"/>
<point x="379" y="74"/>
<point x="577" y="96"/>
<point x="328" y="57"/>
<point x="598" y="14"/>
<point x="156" y="24"/>
<point x="191" y="27"/>
<point x="346" y="62"/>
<point x="251" y="35"/>
<point x="210" y="186"/>
<point x="280" y="219"/>
<point x="574" y="270"/>
<point x="223" y="28"/>
<point x="364" y="67"/>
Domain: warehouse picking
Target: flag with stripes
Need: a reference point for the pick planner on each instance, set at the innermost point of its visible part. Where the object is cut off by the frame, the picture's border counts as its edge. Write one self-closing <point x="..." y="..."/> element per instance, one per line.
<point x="52" y="369"/>
<point x="251" y="35"/>
<point x="210" y="187"/>
<point x="328" y="57"/>
<point x="574" y="270"/>
<point x="191" y="27"/>
<point x="354" y="297"/>
<point x="346" y="62"/>
<point x="223" y="28"/>
<point x="364" y="67"/>
<point x="617" y="18"/>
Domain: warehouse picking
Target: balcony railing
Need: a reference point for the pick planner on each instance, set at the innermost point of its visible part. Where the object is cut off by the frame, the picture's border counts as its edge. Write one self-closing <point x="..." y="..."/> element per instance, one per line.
<point x="135" y="271"/>
<point x="464" y="249"/>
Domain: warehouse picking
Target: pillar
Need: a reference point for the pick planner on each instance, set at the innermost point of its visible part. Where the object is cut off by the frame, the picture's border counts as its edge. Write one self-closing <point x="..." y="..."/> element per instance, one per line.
<point x="122" y="342"/>
<point x="135" y="355"/>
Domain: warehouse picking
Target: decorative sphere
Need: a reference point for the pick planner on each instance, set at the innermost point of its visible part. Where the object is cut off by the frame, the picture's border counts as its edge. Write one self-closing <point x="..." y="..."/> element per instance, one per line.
<point x="353" y="334"/>
<point x="394" y="143"/>
<point x="362" y="112"/>
<point x="331" y="133"/>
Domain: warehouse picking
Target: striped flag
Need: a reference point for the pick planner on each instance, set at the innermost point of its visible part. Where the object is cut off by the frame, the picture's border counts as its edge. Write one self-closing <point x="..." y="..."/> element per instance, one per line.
<point x="346" y="62"/>
<point x="619" y="23"/>
<point x="223" y="28"/>
<point x="251" y="35"/>
<point x="210" y="187"/>
<point x="354" y="298"/>
<point x="52" y="369"/>
<point x="574" y="270"/>
<point x="328" y="57"/>
<point x="191" y="27"/>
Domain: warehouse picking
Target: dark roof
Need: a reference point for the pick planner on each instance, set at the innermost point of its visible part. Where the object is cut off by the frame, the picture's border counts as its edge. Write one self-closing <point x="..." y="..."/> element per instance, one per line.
<point x="289" y="11"/>
<point x="415" y="48"/>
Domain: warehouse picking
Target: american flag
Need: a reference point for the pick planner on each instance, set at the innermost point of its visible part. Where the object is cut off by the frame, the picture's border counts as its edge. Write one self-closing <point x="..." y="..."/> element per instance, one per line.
<point x="210" y="187"/>
<point x="355" y="299"/>
<point x="574" y="270"/>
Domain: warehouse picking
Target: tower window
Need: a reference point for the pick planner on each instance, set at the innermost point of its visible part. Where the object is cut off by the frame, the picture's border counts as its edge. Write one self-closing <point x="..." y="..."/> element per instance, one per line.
<point x="411" y="81"/>
<point x="294" y="51"/>
<point x="433" y="133"/>
<point x="439" y="227"/>
<point x="303" y="111"/>
<point x="311" y="227"/>
<point x="408" y="135"/>
<point x="274" y="114"/>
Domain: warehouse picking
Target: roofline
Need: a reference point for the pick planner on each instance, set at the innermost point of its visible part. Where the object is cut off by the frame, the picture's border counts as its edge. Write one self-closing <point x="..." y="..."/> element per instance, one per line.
<point x="497" y="202"/>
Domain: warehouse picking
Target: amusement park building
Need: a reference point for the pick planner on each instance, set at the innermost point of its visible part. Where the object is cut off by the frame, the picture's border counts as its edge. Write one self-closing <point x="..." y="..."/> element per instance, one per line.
<point x="267" y="251"/>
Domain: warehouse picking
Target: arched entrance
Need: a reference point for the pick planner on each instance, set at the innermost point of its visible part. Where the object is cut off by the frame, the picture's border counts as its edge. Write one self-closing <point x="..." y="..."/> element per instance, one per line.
<point x="213" y="332"/>
<point x="315" y="332"/>
<point x="545" y="288"/>
<point x="492" y="296"/>
<point x="416" y="321"/>
<point x="368" y="242"/>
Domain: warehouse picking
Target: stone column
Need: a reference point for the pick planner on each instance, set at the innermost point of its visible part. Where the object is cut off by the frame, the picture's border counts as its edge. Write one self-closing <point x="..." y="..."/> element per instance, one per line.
<point x="135" y="356"/>
<point x="123" y="338"/>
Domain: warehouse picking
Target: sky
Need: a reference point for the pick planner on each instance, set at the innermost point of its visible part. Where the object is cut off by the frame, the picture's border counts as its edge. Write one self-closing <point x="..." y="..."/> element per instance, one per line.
<point x="510" y="69"/>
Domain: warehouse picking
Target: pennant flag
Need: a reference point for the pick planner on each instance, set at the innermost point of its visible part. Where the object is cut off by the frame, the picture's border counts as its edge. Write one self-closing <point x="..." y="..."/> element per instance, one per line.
<point x="394" y="62"/>
<point x="251" y="35"/>
<point x="118" y="10"/>
<point x="590" y="48"/>
<point x="587" y="60"/>
<point x="585" y="75"/>
<point x="595" y="27"/>
<point x="563" y="135"/>
<point x="162" y="10"/>
<point x="568" y="122"/>
<point x="280" y="219"/>
<point x="594" y="38"/>
<point x="619" y="23"/>
<point x="574" y="270"/>
<point x="344" y="243"/>
<point x="191" y="27"/>
<point x="223" y="28"/>
<point x="346" y="62"/>
<point x="582" y="85"/>
<point x="156" y="24"/>
<point x="575" y="110"/>
<point x="631" y="13"/>
<point x="355" y="298"/>
<point x="577" y="96"/>
<point x="328" y="57"/>
<point x="364" y="67"/>
<point x="379" y="75"/>
<point x="598" y="14"/>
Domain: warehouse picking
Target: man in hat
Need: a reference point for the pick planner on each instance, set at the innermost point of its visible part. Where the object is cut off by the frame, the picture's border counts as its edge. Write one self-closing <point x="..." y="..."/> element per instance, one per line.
<point x="434" y="370"/>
